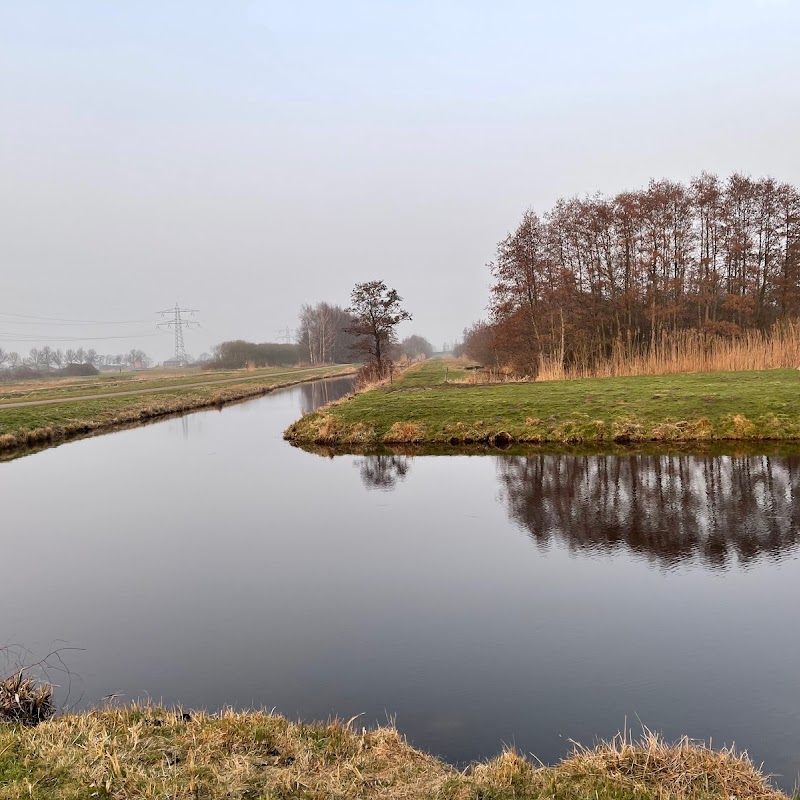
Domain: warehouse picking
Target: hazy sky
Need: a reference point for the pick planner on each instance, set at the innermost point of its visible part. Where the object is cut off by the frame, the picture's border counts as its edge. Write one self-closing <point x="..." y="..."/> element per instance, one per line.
<point x="244" y="158"/>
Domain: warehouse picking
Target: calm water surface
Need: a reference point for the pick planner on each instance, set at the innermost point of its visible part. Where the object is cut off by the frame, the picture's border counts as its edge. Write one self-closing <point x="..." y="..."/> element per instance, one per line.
<point x="478" y="600"/>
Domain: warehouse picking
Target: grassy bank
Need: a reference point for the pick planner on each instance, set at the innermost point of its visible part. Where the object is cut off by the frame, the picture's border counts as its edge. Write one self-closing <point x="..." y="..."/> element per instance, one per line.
<point x="433" y="403"/>
<point x="152" y="753"/>
<point x="52" y="422"/>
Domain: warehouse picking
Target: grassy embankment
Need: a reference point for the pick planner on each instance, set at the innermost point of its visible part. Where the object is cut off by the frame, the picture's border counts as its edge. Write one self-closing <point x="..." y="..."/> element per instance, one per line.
<point x="83" y="411"/>
<point x="139" y="752"/>
<point x="420" y="407"/>
<point x="48" y="388"/>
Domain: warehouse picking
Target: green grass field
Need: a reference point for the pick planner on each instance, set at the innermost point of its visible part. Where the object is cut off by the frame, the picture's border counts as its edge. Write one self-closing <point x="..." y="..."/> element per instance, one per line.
<point x="35" y="425"/>
<point x="420" y="407"/>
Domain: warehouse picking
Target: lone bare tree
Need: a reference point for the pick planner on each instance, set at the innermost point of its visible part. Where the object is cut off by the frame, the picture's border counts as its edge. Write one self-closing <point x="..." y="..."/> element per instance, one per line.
<point x="377" y="312"/>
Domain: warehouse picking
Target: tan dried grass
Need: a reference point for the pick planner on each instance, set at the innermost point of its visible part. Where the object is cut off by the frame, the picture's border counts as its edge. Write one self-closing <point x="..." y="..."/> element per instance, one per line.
<point x="684" y="770"/>
<point x="146" y="753"/>
<point x="25" y="701"/>
<point x="404" y="433"/>
<point x="688" y="351"/>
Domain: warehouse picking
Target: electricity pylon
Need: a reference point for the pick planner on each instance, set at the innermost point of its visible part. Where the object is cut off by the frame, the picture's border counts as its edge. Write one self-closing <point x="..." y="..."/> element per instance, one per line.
<point x="177" y="323"/>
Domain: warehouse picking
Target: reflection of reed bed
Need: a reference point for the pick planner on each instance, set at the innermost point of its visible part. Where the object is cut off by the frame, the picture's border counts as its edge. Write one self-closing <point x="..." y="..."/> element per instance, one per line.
<point x="148" y="752"/>
<point x="721" y="447"/>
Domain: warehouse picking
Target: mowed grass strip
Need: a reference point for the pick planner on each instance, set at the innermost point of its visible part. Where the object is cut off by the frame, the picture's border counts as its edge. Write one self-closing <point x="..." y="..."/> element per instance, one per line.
<point x="33" y="425"/>
<point x="421" y="408"/>
<point x="146" y="753"/>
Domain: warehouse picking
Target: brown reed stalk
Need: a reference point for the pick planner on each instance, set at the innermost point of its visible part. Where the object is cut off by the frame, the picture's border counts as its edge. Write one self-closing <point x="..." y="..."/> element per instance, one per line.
<point x="687" y="351"/>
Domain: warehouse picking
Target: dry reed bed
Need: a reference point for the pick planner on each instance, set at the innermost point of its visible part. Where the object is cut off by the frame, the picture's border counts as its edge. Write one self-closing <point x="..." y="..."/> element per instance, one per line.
<point x="688" y="351"/>
<point x="142" y="411"/>
<point x="148" y="753"/>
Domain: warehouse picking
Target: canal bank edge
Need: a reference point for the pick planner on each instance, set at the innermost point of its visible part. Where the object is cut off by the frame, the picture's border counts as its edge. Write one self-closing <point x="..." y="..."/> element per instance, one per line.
<point x="52" y="424"/>
<point x="145" y="751"/>
<point x="436" y="402"/>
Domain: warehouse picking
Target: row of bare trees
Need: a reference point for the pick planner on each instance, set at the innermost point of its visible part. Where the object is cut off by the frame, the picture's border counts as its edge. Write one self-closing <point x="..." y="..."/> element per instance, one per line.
<point x="47" y="358"/>
<point x="365" y="331"/>
<point x="720" y="256"/>
<point x="323" y="334"/>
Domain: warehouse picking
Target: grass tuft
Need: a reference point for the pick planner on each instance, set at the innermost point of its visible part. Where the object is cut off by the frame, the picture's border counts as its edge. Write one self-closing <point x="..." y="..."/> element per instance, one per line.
<point x="25" y="701"/>
<point x="404" y="433"/>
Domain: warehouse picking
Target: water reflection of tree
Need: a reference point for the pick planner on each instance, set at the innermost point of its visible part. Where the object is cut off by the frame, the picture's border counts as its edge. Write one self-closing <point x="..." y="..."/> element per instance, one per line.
<point x="668" y="508"/>
<point x="383" y="472"/>
<point x="315" y="394"/>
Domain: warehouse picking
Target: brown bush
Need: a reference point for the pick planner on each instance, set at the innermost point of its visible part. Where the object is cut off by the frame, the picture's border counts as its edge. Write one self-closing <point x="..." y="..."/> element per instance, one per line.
<point x="25" y="701"/>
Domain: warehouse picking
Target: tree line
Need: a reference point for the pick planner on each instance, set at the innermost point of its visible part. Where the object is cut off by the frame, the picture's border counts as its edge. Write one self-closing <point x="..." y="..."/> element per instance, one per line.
<point x="364" y="332"/>
<point x="47" y="359"/>
<point x="238" y="354"/>
<point x="717" y="256"/>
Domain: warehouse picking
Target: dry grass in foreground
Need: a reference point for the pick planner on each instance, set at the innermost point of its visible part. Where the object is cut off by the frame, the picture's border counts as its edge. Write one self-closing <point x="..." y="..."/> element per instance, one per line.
<point x="148" y="752"/>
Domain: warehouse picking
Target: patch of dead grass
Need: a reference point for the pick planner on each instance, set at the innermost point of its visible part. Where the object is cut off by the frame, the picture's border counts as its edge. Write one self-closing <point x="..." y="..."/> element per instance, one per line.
<point x="404" y="433"/>
<point x="684" y="770"/>
<point x="740" y="426"/>
<point x="148" y="752"/>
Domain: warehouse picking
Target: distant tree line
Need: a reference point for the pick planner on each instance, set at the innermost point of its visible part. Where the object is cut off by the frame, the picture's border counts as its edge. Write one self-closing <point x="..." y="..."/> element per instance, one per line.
<point x="717" y="256"/>
<point x="52" y="361"/>
<point x="330" y="334"/>
<point x="238" y="354"/>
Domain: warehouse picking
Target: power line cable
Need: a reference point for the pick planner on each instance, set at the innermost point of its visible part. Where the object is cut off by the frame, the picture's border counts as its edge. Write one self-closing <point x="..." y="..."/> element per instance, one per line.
<point x="71" y="321"/>
<point x="70" y="324"/>
<point x="16" y="337"/>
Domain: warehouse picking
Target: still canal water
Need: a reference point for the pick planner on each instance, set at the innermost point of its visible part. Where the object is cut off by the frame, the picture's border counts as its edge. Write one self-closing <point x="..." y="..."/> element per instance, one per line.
<point x="478" y="600"/>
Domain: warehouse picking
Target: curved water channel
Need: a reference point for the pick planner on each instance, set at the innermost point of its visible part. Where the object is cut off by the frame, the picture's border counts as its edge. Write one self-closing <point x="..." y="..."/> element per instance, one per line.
<point x="478" y="600"/>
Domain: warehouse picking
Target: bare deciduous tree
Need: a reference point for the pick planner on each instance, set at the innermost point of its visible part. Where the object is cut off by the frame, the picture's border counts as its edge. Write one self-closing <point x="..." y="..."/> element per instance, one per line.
<point x="35" y="357"/>
<point x="377" y="312"/>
